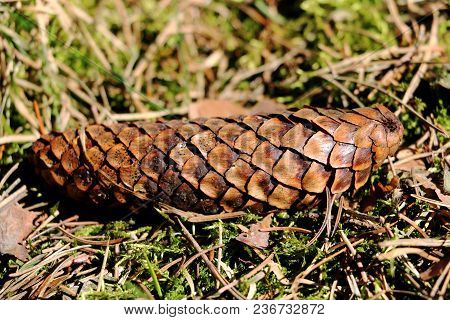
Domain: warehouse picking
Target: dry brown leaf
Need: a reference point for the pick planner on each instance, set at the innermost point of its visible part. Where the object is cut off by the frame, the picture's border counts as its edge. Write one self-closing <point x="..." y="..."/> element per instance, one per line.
<point x="444" y="198"/>
<point x="254" y="237"/>
<point x="393" y="184"/>
<point x="435" y="270"/>
<point x="16" y="224"/>
<point x="428" y="184"/>
<point x="413" y="164"/>
<point x="210" y="108"/>
<point x="267" y="106"/>
<point x="378" y="191"/>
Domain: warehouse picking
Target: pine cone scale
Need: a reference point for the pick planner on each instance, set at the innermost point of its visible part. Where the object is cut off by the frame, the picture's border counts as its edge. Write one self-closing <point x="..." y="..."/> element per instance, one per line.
<point x="210" y="165"/>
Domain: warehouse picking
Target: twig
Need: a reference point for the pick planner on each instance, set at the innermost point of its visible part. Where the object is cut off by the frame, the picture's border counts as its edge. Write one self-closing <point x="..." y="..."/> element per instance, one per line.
<point x="195" y="217"/>
<point x="93" y="242"/>
<point x="404" y="29"/>
<point x="248" y="275"/>
<point x="338" y="216"/>
<point x="326" y="219"/>
<point x="353" y="63"/>
<point x="302" y="230"/>
<point x="415" y="243"/>
<point x="422" y="155"/>
<point x="413" y="224"/>
<point x="147" y="115"/>
<point x="272" y="65"/>
<point x="37" y="111"/>
<point x="220" y="250"/>
<point x="344" y="89"/>
<point x="404" y="251"/>
<point x="53" y="257"/>
<point x="311" y="268"/>
<point x="433" y="41"/>
<point x="198" y="254"/>
<point x="333" y="289"/>
<point x="210" y="265"/>
<point x="44" y="224"/>
<point x="18" y="138"/>
<point x="348" y="243"/>
<point x="8" y="174"/>
<point x="439" y="280"/>
<point x="444" y="287"/>
<point x="14" y="197"/>
<point x="435" y="202"/>
<point x="101" y="284"/>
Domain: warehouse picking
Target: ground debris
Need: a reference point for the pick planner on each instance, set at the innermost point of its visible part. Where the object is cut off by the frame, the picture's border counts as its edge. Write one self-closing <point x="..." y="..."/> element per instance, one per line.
<point x="16" y="224"/>
<point x="254" y="237"/>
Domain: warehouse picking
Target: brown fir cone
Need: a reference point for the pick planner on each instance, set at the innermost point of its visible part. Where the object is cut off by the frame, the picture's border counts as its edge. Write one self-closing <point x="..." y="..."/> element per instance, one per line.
<point x="251" y="162"/>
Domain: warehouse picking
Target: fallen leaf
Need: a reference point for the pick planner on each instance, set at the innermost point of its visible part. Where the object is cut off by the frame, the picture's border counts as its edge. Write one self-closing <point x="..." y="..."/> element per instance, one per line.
<point x="267" y="106"/>
<point x="428" y="184"/>
<point x="393" y="184"/>
<point x="254" y="237"/>
<point x="444" y="198"/>
<point x="210" y="108"/>
<point x="435" y="270"/>
<point x="378" y="191"/>
<point x="405" y="153"/>
<point x="16" y="224"/>
<point x="413" y="164"/>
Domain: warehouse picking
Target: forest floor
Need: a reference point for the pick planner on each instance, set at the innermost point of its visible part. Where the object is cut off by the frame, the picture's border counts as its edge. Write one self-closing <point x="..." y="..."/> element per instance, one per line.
<point x="68" y="63"/>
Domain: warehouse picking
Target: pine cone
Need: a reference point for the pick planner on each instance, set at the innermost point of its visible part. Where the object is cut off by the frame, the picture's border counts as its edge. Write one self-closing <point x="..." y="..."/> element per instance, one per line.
<point x="221" y="164"/>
